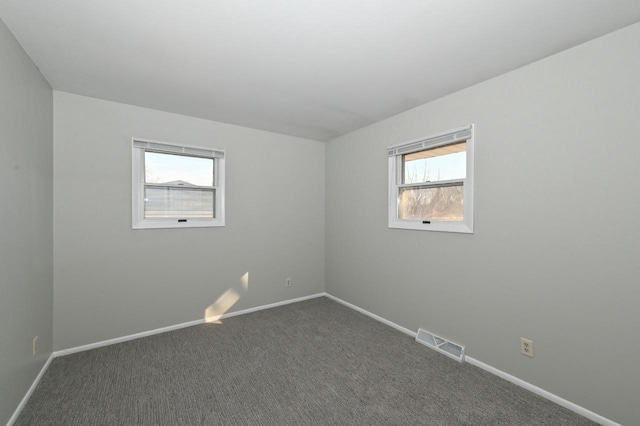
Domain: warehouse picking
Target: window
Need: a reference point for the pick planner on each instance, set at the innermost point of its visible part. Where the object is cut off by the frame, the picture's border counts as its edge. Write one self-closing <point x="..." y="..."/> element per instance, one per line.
<point x="176" y="186"/>
<point x="431" y="183"/>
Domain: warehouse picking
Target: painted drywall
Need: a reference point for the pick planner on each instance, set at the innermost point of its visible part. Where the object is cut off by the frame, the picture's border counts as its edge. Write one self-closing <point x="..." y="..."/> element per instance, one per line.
<point x="112" y="281"/>
<point x="554" y="256"/>
<point x="26" y="234"/>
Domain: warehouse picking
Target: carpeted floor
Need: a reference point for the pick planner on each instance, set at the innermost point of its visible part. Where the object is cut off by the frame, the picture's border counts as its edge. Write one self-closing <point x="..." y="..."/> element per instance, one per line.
<point x="309" y="363"/>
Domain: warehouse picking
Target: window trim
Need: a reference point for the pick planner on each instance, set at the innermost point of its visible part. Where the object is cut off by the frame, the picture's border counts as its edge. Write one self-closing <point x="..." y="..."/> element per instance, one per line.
<point x="138" y="148"/>
<point x="395" y="153"/>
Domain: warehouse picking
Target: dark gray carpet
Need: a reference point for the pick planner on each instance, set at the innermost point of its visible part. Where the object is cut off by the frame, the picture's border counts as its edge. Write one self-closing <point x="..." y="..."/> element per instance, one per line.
<point x="309" y="363"/>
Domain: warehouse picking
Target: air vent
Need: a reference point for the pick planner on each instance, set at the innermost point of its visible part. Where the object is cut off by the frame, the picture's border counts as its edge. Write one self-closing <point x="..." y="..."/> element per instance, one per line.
<point x="450" y="349"/>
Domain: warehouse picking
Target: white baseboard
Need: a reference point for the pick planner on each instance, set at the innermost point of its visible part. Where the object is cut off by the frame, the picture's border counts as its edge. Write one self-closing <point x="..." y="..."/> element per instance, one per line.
<point x="543" y="393"/>
<point x="108" y="342"/>
<point x="69" y="351"/>
<point x="263" y="307"/>
<point x="178" y="326"/>
<point x="26" y="397"/>
<point x="508" y="377"/>
<point x="374" y="316"/>
<point x="528" y="386"/>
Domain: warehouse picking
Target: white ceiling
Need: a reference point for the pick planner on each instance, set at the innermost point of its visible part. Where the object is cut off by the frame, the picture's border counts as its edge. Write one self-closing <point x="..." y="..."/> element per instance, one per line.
<point x="316" y="69"/>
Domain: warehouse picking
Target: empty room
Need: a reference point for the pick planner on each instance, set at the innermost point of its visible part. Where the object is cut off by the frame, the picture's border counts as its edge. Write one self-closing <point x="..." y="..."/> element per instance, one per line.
<point x="280" y="212"/>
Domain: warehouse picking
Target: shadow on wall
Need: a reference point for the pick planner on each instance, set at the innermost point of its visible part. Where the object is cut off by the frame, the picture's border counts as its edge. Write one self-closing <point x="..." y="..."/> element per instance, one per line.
<point x="214" y="311"/>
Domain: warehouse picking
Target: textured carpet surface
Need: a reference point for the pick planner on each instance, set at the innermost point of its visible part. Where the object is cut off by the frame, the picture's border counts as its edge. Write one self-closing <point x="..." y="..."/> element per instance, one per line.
<point x="310" y="363"/>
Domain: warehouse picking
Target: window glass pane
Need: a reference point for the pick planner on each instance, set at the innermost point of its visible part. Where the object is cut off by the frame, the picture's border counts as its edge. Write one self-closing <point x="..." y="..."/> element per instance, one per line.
<point x="178" y="203"/>
<point x="443" y="203"/>
<point x="178" y="169"/>
<point x="446" y="162"/>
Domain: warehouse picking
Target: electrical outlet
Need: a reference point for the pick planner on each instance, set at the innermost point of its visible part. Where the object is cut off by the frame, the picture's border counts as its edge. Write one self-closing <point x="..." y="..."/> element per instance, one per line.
<point x="35" y="345"/>
<point x="287" y="283"/>
<point x="526" y="347"/>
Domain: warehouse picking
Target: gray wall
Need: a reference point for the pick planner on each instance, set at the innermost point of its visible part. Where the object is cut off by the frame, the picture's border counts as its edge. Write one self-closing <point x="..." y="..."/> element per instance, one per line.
<point x="26" y="246"/>
<point x="554" y="257"/>
<point x="112" y="281"/>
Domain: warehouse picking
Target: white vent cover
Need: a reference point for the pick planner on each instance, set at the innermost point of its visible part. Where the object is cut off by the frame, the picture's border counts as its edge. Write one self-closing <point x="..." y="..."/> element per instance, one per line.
<point x="450" y="349"/>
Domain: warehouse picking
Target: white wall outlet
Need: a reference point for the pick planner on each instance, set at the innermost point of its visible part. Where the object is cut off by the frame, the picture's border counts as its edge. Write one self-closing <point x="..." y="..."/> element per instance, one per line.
<point x="287" y="283"/>
<point x="35" y="345"/>
<point x="526" y="347"/>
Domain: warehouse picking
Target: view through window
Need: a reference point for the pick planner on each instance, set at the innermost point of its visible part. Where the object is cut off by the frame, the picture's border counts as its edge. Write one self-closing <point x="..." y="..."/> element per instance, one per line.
<point x="437" y="175"/>
<point x="178" y="186"/>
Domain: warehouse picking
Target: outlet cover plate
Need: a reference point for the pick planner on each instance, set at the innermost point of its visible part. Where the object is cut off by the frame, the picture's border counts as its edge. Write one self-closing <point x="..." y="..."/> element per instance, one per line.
<point x="526" y="347"/>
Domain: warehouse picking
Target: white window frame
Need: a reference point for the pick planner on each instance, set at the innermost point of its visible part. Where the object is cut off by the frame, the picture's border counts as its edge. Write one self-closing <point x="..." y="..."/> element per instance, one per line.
<point x="139" y="147"/>
<point x="396" y="152"/>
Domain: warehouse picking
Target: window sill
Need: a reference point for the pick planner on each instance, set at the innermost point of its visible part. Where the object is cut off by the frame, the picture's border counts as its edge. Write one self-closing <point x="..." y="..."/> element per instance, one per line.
<point x="457" y="227"/>
<point x="174" y="224"/>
